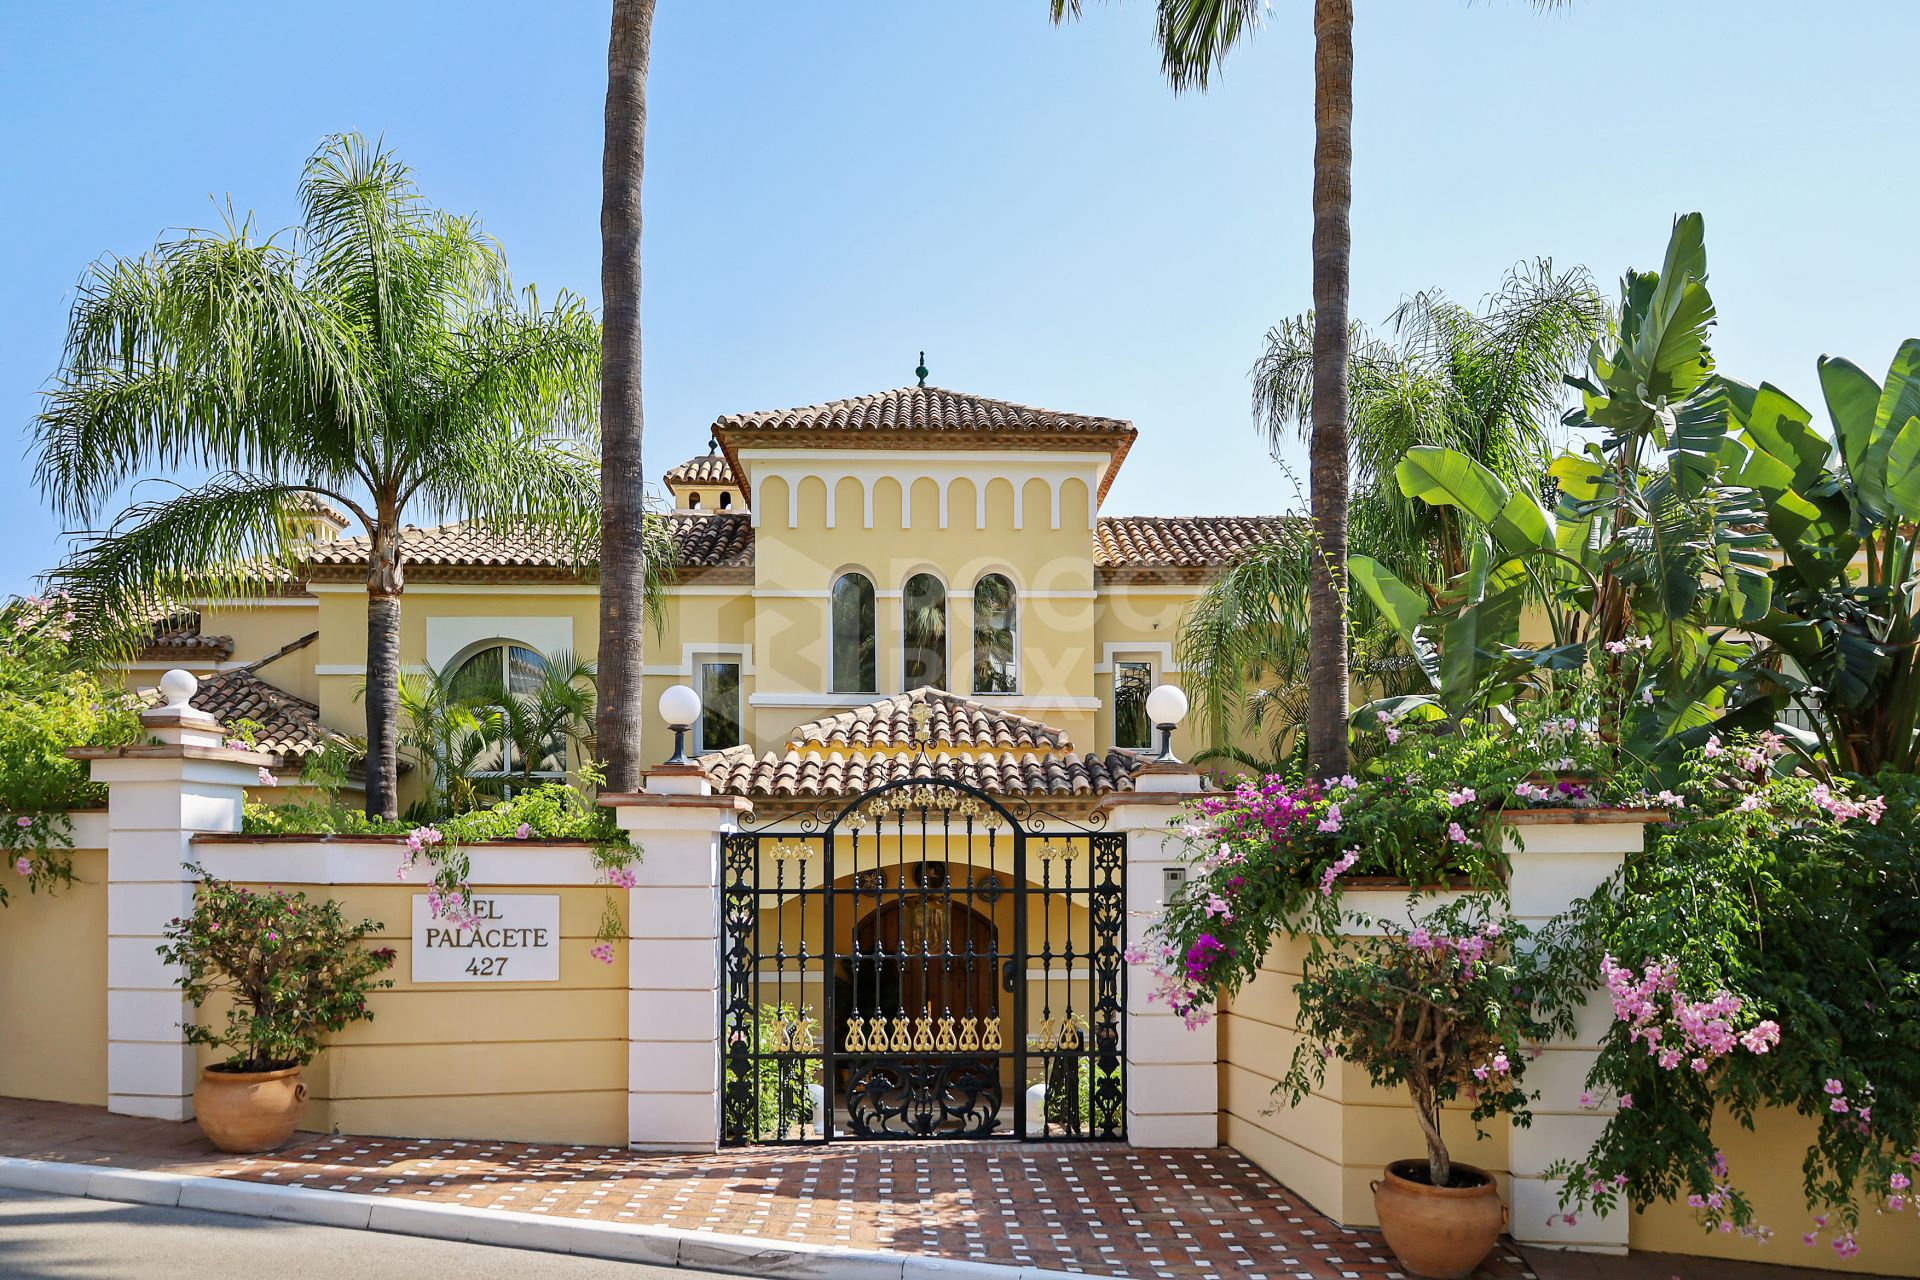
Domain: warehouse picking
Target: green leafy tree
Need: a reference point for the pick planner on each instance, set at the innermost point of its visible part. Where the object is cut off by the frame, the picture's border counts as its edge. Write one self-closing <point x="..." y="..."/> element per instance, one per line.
<point x="1844" y="637"/>
<point x="377" y="358"/>
<point x="1653" y="544"/>
<point x="49" y="701"/>
<point x="1488" y="382"/>
<point x="1195" y="37"/>
<point x="535" y="728"/>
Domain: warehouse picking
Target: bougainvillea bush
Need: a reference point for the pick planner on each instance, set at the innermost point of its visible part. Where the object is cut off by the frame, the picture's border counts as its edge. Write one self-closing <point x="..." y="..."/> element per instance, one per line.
<point x="1764" y="952"/>
<point x="1443" y="1005"/>
<point x="295" y="969"/>
<point x="48" y="703"/>
<point x="1271" y="855"/>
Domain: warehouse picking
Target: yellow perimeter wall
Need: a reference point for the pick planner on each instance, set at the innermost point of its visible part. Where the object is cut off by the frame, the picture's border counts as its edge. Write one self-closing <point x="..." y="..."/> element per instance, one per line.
<point x="522" y="1061"/>
<point x="53" y="988"/>
<point x="1332" y="1146"/>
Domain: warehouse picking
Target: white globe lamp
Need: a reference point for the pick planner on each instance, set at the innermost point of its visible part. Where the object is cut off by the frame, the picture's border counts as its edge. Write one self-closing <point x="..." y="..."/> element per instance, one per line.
<point x="1166" y="707"/>
<point x="679" y="707"/>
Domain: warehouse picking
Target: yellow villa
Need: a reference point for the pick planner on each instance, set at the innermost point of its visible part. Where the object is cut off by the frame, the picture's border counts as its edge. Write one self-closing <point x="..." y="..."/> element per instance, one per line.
<point x="916" y="544"/>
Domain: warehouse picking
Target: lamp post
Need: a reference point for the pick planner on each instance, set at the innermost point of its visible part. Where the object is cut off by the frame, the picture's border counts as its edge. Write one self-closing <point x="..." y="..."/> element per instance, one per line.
<point x="679" y="707"/>
<point x="1166" y="707"/>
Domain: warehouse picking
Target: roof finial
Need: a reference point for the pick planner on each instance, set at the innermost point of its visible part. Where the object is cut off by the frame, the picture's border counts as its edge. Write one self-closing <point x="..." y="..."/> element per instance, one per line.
<point x="713" y="447"/>
<point x="922" y="370"/>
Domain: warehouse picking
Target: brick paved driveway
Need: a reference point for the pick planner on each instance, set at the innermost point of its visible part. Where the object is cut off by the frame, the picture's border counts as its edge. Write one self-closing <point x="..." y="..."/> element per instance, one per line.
<point x="1102" y="1210"/>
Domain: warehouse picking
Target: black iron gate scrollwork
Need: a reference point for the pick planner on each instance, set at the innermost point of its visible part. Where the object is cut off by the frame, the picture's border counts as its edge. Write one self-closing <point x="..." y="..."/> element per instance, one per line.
<point x="923" y="962"/>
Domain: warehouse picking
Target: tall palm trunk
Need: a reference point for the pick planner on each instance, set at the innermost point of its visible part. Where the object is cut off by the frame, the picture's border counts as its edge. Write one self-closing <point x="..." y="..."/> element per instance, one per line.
<point x="1327" y="449"/>
<point x="622" y="479"/>
<point x="384" y="584"/>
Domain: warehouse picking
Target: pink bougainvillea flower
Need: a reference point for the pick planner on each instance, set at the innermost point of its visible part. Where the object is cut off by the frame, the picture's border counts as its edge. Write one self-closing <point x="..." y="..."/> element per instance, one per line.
<point x="1456" y="834"/>
<point x="1626" y="1102"/>
<point x="266" y="777"/>
<point x="1835" y="1088"/>
<point x="522" y="831"/>
<point x="23" y="866"/>
<point x="603" y="953"/>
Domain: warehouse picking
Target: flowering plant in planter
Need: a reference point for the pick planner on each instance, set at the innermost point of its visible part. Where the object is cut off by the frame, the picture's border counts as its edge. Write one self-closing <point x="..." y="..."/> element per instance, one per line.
<point x="1764" y="952"/>
<point x="295" y="969"/>
<point x="1443" y="1009"/>
<point x="1272" y="855"/>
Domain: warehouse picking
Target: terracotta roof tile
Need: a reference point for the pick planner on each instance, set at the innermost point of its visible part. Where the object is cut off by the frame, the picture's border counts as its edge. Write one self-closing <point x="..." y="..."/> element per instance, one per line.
<point x="180" y="637"/>
<point x="289" y="726"/>
<point x="708" y="468"/>
<point x="702" y="541"/>
<point x="815" y="772"/>
<point x="923" y="409"/>
<point x="1149" y="546"/>
<point x="953" y="721"/>
<point x="859" y="749"/>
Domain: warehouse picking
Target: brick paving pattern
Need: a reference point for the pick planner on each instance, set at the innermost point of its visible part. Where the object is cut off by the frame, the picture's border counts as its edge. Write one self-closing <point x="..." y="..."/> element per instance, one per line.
<point x="1105" y="1210"/>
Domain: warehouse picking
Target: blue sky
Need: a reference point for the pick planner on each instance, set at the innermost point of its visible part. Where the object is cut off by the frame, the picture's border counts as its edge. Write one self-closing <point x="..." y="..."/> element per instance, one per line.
<point x="832" y="187"/>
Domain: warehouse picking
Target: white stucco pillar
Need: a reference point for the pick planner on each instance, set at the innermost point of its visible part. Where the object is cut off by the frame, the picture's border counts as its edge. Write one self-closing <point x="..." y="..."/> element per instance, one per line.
<point x="1173" y="1073"/>
<point x="673" y="958"/>
<point x="1560" y="857"/>
<point x="158" y="798"/>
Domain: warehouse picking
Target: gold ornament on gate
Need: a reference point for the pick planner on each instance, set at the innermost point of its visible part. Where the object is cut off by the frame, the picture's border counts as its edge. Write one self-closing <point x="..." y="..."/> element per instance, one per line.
<point x="920" y="713"/>
<point x="944" y="1041"/>
<point x="856" y="1034"/>
<point x="969" y="1035"/>
<point x="1071" y="1030"/>
<point x="990" y="1039"/>
<point x="792" y="851"/>
<point x="923" y="1034"/>
<point x="902" y="1035"/>
<point x="1058" y="851"/>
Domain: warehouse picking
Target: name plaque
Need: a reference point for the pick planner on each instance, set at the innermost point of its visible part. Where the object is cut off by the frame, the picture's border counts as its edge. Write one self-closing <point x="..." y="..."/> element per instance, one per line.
<point x="515" y="938"/>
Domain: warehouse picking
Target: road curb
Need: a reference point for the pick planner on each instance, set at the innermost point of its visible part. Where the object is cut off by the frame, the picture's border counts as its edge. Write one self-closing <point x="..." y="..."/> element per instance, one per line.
<point x="618" y="1242"/>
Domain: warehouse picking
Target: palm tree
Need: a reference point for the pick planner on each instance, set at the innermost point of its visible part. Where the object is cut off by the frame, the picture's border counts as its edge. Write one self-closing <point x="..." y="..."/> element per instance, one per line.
<point x="377" y="358"/>
<point x="1195" y="37"/>
<point x="1488" y="382"/>
<point x="623" y="560"/>
<point x="536" y="725"/>
<point x="447" y="735"/>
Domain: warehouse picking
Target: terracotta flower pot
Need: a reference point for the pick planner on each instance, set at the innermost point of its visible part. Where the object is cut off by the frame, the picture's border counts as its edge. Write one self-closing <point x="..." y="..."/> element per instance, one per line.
<point x="1441" y="1233"/>
<point x="247" y="1111"/>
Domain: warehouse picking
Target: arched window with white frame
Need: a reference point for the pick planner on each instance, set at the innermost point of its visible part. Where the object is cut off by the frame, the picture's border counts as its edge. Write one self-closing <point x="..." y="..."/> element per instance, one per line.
<point x="923" y="632"/>
<point x="996" y="636"/>
<point x="852" y="639"/>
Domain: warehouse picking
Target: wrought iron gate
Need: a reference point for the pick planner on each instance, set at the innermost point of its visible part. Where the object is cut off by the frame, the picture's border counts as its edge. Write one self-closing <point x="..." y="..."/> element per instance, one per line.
<point x="923" y="962"/>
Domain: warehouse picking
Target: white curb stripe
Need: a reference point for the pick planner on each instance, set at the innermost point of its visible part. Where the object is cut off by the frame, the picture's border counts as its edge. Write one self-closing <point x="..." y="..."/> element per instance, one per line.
<point x="661" y="1246"/>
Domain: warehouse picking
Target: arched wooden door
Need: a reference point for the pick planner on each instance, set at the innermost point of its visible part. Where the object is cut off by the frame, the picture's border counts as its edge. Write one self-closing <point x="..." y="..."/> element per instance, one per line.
<point x="925" y="959"/>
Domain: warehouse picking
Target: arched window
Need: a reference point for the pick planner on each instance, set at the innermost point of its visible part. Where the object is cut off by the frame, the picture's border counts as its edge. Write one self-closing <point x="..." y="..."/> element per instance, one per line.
<point x="996" y="643"/>
<point x="853" y="669"/>
<point x="481" y="677"/>
<point x="923" y="631"/>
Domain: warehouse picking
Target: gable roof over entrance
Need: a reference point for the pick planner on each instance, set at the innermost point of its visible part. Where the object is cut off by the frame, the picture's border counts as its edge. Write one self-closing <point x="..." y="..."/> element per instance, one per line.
<point x="926" y="734"/>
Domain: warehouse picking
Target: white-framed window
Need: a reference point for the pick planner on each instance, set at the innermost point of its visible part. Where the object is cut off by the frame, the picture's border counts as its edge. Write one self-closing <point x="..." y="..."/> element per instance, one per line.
<point x="996" y="635"/>
<point x="717" y="680"/>
<point x="1132" y="682"/>
<point x="923" y="633"/>
<point x="481" y="676"/>
<point x="851" y="635"/>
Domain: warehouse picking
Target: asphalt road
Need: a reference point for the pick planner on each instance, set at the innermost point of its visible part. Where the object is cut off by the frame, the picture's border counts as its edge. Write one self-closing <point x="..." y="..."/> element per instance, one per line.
<point x="46" y="1237"/>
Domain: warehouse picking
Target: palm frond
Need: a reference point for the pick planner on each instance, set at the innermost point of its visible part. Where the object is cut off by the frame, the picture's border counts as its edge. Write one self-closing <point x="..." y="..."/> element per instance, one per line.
<point x="233" y="537"/>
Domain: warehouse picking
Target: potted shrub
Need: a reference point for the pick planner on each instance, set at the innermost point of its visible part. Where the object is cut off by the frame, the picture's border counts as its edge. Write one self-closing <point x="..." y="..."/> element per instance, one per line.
<point x="295" y="971"/>
<point x="1442" y="1010"/>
